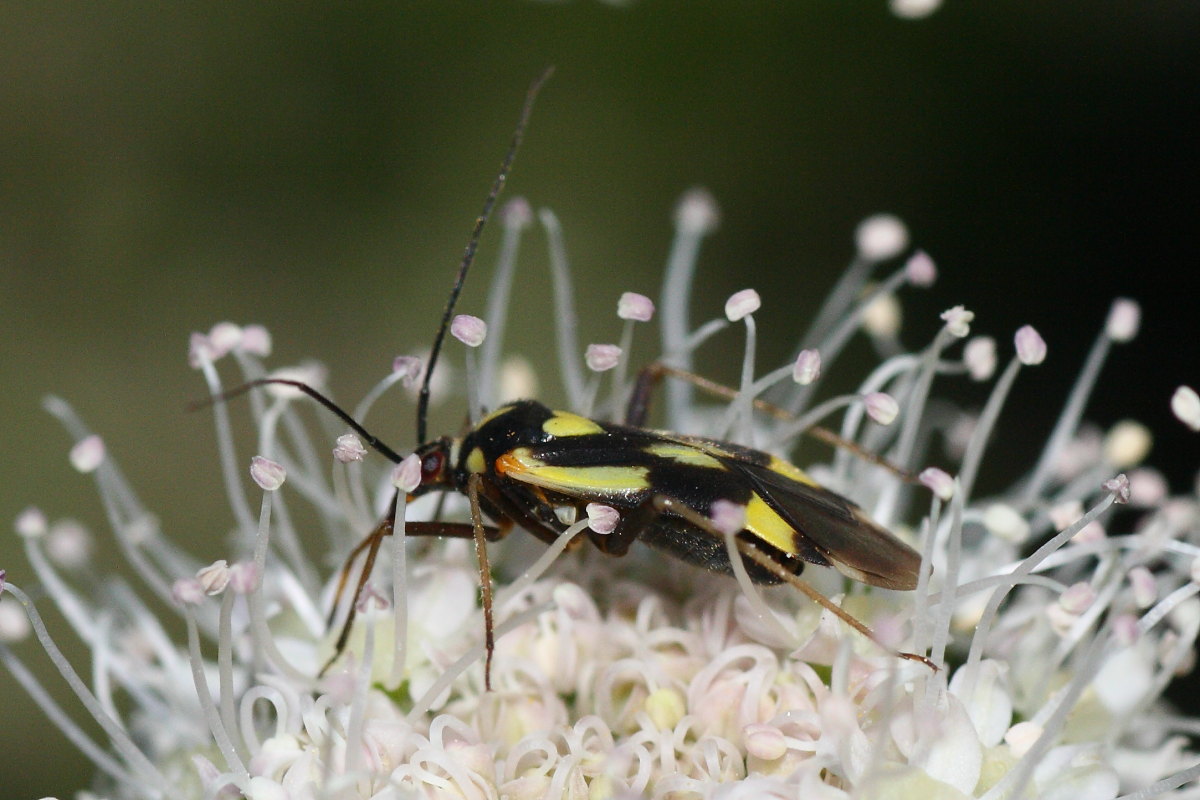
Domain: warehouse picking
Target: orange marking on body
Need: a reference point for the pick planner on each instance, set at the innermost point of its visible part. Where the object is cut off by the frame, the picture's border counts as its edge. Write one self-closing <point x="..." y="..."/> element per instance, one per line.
<point x="509" y="464"/>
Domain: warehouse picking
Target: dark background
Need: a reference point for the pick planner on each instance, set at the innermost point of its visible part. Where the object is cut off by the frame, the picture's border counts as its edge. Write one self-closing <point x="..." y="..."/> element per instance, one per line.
<point x="316" y="169"/>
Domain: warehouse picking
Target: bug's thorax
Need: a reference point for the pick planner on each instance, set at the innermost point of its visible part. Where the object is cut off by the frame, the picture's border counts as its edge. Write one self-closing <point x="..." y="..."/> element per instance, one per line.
<point x="513" y="425"/>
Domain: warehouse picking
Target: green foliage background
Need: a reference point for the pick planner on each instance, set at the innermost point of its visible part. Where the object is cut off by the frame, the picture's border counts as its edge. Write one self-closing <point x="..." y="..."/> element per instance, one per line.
<point x="316" y="167"/>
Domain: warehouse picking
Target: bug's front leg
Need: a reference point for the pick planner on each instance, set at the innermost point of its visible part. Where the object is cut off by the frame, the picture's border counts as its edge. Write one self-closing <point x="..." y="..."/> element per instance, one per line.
<point x="371" y="544"/>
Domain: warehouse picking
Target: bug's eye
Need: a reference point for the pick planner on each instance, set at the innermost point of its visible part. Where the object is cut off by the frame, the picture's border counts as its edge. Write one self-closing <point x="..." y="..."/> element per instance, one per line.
<point x="431" y="466"/>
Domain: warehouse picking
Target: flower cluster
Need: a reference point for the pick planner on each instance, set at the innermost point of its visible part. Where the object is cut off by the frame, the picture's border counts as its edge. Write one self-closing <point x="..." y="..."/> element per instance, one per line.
<point x="1055" y="620"/>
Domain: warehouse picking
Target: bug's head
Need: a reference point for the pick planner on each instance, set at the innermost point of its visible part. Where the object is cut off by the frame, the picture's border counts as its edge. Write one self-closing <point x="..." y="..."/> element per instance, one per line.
<point x="436" y="470"/>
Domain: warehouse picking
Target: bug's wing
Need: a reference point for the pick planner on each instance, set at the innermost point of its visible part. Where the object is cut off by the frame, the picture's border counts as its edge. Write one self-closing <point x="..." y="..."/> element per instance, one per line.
<point x="851" y="541"/>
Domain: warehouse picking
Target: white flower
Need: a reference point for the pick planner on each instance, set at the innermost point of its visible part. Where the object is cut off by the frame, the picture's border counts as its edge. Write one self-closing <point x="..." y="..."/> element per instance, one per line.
<point x="642" y="676"/>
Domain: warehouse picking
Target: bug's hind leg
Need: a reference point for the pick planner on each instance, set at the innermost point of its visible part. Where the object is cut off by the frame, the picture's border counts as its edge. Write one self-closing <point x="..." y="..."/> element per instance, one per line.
<point x="650" y="376"/>
<point x="737" y="546"/>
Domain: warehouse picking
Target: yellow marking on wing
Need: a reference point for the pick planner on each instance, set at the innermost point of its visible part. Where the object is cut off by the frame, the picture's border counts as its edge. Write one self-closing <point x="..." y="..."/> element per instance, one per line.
<point x="520" y="465"/>
<point x="475" y="461"/>
<point x="564" y="423"/>
<point x="683" y="454"/>
<point x="790" y="470"/>
<point x="763" y="522"/>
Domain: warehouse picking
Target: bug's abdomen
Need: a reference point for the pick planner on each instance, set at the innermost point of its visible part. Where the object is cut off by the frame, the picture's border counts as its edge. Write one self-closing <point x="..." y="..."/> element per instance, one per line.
<point x="700" y="548"/>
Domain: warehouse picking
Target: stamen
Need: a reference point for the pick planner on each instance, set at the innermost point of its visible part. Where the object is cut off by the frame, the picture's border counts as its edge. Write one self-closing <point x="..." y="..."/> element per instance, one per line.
<point x="880" y="237"/>
<point x="406" y="477"/>
<point x="741" y="307"/>
<point x="1023" y="569"/>
<point x="958" y="321"/>
<point x="599" y="358"/>
<point x="475" y="654"/>
<point x="1123" y="321"/>
<point x="807" y="367"/>
<point x="602" y="519"/>
<point x="832" y="342"/>
<point x="1127" y="444"/>
<point x="728" y="520"/>
<point x="225" y="669"/>
<point x="224" y="338"/>
<point x="87" y="454"/>
<point x="59" y="718"/>
<point x="402" y="373"/>
<point x="973" y="456"/>
<point x="471" y="331"/>
<point x="979" y="356"/>
<point x="349" y="448"/>
<point x="920" y="270"/>
<point x="564" y="309"/>
<point x="881" y="407"/>
<point x="1031" y="348"/>
<point x="189" y="593"/>
<point x="696" y="216"/>
<point x="255" y="600"/>
<point x="548" y="557"/>
<point x="225" y="448"/>
<point x="256" y="341"/>
<point x="368" y="604"/>
<point x="516" y="216"/>
<point x="938" y="482"/>
<point x="134" y="757"/>
<point x="1185" y="405"/>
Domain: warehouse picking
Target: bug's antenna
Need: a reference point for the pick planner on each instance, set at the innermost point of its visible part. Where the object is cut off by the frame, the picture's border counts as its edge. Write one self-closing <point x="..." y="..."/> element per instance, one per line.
<point x="372" y="440"/>
<point x="469" y="253"/>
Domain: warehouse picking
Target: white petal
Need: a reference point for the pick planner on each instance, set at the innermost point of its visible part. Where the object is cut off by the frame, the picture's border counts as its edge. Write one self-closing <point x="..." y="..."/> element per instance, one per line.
<point x="989" y="705"/>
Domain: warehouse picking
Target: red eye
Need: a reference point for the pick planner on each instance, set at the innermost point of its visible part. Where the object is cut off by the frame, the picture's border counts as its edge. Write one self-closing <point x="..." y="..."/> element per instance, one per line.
<point x="431" y="466"/>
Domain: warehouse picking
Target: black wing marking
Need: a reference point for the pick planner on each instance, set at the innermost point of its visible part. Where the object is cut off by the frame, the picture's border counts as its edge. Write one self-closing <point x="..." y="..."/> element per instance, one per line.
<point x="851" y="541"/>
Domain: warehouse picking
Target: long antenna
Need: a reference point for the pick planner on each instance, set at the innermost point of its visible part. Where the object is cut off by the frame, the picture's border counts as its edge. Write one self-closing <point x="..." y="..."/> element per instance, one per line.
<point x="469" y="253"/>
<point x="372" y="440"/>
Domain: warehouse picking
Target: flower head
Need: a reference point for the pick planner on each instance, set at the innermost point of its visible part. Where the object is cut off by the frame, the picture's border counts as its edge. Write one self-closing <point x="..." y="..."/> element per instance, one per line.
<point x="1055" y="625"/>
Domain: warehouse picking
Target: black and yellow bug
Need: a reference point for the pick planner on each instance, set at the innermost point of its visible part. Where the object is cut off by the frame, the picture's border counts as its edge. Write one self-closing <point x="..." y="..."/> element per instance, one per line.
<point x="539" y="468"/>
<point x="528" y="466"/>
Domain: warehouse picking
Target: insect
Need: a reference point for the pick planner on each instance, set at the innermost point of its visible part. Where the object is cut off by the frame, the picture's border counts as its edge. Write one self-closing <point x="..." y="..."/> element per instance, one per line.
<point x="525" y="465"/>
<point x="539" y="468"/>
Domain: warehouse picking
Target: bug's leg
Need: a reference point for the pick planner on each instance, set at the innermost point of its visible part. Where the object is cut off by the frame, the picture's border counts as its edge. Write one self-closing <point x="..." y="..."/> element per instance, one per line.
<point x="638" y="409"/>
<point x="344" y="574"/>
<point x="385" y="528"/>
<point x="371" y="543"/>
<point x="750" y="551"/>
<point x="666" y="504"/>
<point x="485" y="578"/>
<point x="651" y="375"/>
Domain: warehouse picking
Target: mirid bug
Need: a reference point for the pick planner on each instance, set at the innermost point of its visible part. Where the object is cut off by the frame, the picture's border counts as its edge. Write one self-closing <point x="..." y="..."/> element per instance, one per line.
<point x="525" y="465"/>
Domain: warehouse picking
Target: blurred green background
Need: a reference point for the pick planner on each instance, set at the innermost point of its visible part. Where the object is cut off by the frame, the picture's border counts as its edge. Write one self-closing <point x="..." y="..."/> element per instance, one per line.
<point x="316" y="167"/>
